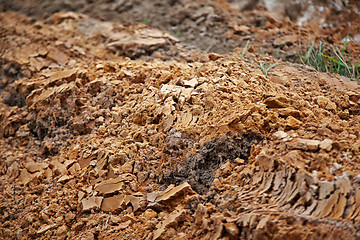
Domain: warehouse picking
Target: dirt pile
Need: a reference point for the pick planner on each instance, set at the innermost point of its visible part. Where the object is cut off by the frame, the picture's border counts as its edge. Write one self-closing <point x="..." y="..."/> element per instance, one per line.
<point x="112" y="130"/>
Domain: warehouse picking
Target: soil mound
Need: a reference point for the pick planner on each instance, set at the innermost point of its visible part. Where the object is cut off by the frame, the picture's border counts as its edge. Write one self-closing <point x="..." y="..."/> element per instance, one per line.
<point x="114" y="130"/>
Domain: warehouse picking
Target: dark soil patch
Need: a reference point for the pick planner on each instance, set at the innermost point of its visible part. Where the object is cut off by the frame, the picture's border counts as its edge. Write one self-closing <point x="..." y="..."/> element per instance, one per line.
<point x="199" y="169"/>
<point x="9" y="72"/>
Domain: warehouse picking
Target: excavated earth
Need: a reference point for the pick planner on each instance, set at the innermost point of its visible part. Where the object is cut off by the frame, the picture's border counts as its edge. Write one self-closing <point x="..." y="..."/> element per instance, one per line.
<point x="113" y="129"/>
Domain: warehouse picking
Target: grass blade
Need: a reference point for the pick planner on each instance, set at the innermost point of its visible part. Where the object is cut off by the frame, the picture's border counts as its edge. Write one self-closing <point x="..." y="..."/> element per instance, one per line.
<point x="244" y="50"/>
<point x="344" y="46"/>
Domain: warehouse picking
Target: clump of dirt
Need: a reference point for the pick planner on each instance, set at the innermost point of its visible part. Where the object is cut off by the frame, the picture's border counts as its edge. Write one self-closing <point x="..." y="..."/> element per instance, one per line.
<point x="199" y="169"/>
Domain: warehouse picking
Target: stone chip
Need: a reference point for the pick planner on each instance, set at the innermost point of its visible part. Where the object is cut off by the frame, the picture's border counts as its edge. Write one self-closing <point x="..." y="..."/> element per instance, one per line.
<point x="112" y="204"/>
<point x="170" y="193"/>
<point x="326" y="144"/>
<point x="304" y="144"/>
<point x="35" y="167"/>
<point x="171" y="220"/>
<point x="91" y="203"/>
<point x="45" y="228"/>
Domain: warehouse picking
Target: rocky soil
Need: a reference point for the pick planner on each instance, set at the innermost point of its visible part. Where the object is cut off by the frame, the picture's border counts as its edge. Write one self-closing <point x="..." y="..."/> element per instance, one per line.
<point x="145" y="120"/>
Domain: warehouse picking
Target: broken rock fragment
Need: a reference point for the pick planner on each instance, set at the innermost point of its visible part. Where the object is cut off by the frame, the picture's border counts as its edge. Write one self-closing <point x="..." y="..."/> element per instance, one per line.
<point x="35" y="167"/>
<point x="171" y="221"/>
<point x="277" y="102"/>
<point x="190" y="83"/>
<point x="135" y="201"/>
<point x="65" y="178"/>
<point x="304" y="144"/>
<point x="292" y="123"/>
<point x="326" y="144"/>
<point x="57" y="167"/>
<point x="280" y="134"/>
<point x="26" y="177"/>
<point x="170" y="196"/>
<point x="325" y="103"/>
<point x="124" y="224"/>
<point x="110" y="186"/>
<point x="232" y="229"/>
<point x="326" y="188"/>
<point x="138" y="41"/>
<point x="91" y="203"/>
<point x="13" y="171"/>
<point x="265" y="162"/>
<point x="149" y="214"/>
<point x="343" y="184"/>
<point x="112" y="204"/>
<point x="45" y="228"/>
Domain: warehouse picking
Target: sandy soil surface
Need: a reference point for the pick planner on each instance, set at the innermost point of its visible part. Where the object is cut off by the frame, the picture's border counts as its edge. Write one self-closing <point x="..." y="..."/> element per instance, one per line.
<point x="147" y="120"/>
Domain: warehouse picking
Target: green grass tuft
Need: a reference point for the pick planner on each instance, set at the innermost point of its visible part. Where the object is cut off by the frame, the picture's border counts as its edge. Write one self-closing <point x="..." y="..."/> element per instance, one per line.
<point x="330" y="59"/>
<point x="145" y="21"/>
<point x="265" y="68"/>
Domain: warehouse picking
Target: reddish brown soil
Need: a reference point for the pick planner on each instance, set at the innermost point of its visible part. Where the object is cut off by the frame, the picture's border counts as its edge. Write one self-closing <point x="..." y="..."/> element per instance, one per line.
<point x="112" y="129"/>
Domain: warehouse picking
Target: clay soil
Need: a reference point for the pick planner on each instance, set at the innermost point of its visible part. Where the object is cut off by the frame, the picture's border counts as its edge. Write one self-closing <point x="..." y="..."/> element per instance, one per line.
<point x="147" y="120"/>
